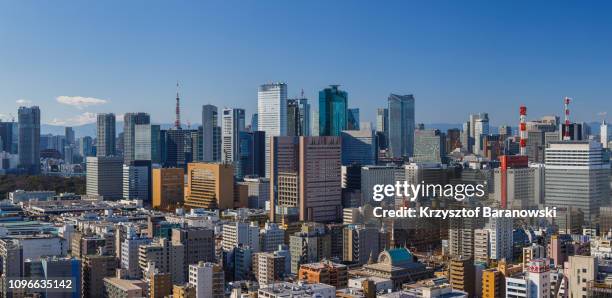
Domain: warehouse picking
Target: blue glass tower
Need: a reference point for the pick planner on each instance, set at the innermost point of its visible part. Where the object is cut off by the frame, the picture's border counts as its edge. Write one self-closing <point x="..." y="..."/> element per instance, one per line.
<point x="333" y="115"/>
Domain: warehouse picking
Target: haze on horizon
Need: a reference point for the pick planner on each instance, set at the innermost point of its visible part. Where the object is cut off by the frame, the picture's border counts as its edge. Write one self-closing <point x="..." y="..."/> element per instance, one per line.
<point x="75" y="59"/>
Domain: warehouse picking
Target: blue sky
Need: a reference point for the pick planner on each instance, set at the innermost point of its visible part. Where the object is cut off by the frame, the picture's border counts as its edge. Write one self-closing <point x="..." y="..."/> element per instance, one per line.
<point x="456" y="57"/>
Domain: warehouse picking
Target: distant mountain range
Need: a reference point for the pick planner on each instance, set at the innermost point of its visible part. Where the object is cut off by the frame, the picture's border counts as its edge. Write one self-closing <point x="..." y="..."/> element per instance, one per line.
<point x="90" y="129"/>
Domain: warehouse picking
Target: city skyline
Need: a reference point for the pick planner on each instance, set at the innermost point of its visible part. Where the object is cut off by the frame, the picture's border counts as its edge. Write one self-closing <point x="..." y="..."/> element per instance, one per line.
<point x="470" y="55"/>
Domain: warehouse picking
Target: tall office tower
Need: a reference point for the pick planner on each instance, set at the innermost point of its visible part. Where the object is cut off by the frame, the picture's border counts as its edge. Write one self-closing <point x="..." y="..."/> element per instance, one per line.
<point x="130" y="120"/>
<point x="252" y="150"/>
<point x="173" y="148"/>
<point x="105" y="176"/>
<point x="168" y="188"/>
<point x="401" y="125"/>
<point x="86" y="146"/>
<point x="271" y="236"/>
<point x="582" y="270"/>
<point x="105" y="133"/>
<point x="147" y="143"/>
<point x="232" y="124"/>
<point x="168" y="258"/>
<point x="359" y="147"/>
<point x="293" y="117"/>
<point x="481" y="129"/>
<point x="604" y="136"/>
<point x="382" y="127"/>
<point x="429" y="146"/>
<point x="305" y="117"/>
<point x="191" y="148"/>
<point x="254" y="122"/>
<point x="296" y="166"/>
<point x="462" y="275"/>
<point x="272" y="114"/>
<point x="209" y="123"/>
<point x="29" y="139"/>
<point x="577" y="174"/>
<point x="352" y="122"/>
<point x="333" y="110"/>
<point x="500" y="237"/>
<point x="314" y="119"/>
<point x="284" y="180"/>
<point x="320" y="195"/>
<point x="210" y="186"/>
<point x="453" y="140"/>
<point x="69" y="135"/>
<point x="360" y="243"/>
<point x="199" y="243"/>
<point x="7" y="136"/>
<point x="136" y="182"/>
<point x="241" y="233"/>
<point x="208" y="280"/>
<point x="466" y="139"/>
<point x="461" y="235"/>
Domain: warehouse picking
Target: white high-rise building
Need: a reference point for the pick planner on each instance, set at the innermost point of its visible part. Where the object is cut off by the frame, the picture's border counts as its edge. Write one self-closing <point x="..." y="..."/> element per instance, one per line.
<point x="240" y="233"/>
<point x="577" y="175"/>
<point x="208" y="280"/>
<point x="272" y="114"/>
<point x="500" y="238"/>
<point x="603" y="134"/>
<point x="481" y="128"/>
<point x="232" y="124"/>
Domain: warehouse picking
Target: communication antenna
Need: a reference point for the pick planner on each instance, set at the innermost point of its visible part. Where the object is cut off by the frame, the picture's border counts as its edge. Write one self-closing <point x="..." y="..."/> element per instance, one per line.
<point x="523" y="130"/>
<point x="566" y="132"/>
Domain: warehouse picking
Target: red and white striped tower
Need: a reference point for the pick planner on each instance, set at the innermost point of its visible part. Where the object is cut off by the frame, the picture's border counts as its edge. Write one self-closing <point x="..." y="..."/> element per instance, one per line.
<point x="566" y="132"/>
<point x="523" y="130"/>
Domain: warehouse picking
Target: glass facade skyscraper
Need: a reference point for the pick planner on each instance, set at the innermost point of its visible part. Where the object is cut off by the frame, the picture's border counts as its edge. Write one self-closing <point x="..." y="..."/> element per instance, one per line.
<point x="272" y="113"/>
<point x="333" y="112"/>
<point x="401" y="125"/>
<point x="29" y="139"/>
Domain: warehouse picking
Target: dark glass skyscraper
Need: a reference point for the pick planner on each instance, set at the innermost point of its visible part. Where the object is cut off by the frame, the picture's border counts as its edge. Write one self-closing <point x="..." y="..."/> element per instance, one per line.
<point x="6" y="136"/>
<point x="353" y="119"/>
<point x="333" y="112"/>
<point x="130" y="120"/>
<point x="209" y="125"/>
<point x="105" y="132"/>
<point x="29" y="139"/>
<point x="401" y="125"/>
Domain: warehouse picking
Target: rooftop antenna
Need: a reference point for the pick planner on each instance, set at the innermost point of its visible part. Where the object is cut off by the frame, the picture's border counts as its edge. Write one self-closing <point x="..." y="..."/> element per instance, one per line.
<point x="603" y="117"/>
<point x="566" y="132"/>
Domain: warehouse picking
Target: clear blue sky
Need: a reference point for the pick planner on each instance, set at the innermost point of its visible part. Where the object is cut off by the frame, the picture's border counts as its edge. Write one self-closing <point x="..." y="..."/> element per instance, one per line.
<point x="456" y="57"/>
